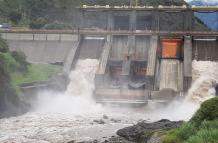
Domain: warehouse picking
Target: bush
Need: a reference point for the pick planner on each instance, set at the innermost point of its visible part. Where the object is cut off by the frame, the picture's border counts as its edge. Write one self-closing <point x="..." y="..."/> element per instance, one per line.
<point x="15" y="16"/>
<point x="3" y="46"/>
<point x="9" y="63"/>
<point x="186" y="130"/>
<point x="21" y="59"/>
<point x="202" y="128"/>
<point x="57" y="25"/>
<point x="181" y="134"/>
<point x="38" y="23"/>
<point x="171" y="137"/>
<point x="208" y="112"/>
<point x="204" y="136"/>
<point x="209" y="124"/>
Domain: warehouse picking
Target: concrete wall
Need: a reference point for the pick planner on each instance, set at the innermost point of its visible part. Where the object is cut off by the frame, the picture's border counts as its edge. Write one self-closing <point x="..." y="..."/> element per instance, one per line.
<point x="142" y="46"/>
<point x="39" y="37"/>
<point x="171" y="76"/>
<point x="152" y="56"/>
<point x="91" y="48"/>
<point x="41" y="48"/>
<point x="119" y="47"/>
<point x="205" y="49"/>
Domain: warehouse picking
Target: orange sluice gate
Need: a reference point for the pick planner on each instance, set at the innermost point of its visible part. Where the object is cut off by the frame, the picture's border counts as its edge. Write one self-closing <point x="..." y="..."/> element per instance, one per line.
<point x="171" y="48"/>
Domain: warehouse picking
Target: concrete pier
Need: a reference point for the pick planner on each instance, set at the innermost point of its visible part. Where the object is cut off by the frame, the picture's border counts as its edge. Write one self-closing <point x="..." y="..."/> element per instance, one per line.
<point x="71" y="57"/>
<point x="187" y="62"/>
<point x="101" y="75"/>
<point x="170" y="75"/>
<point x="152" y="56"/>
<point x="125" y="74"/>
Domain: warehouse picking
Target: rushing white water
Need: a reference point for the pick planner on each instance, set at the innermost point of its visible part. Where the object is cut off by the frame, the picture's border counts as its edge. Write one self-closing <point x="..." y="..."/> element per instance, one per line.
<point x="63" y="117"/>
<point x="205" y="76"/>
<point x="78" y="97"/>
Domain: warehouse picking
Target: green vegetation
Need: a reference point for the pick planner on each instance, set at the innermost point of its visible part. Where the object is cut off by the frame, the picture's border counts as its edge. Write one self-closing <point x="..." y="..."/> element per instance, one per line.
<point x="37" y="13"/>
<point x="10" y="103"/>
<point x="208" y="112"/>
<point x="202" y="128"/>
<point x="15" y="70"/>
<point x="13" y="61"/>
<point x="38" y="23"/>
<point x="20" y="71"/>
<point x="57" y="25"/>
<point x="62" y="14"/>
<point x="35" y="73"/>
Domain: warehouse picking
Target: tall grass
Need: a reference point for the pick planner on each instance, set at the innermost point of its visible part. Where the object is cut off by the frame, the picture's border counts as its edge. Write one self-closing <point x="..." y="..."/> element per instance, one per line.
<point x="204" y="136"/>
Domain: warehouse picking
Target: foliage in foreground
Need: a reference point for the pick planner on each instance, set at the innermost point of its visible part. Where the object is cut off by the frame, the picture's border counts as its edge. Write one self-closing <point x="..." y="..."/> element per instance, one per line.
<point x="202" y="128"/>
<point x="208" y="111"/>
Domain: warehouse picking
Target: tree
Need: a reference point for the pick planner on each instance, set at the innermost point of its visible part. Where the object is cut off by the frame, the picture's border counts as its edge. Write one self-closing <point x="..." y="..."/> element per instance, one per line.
<point x="11" y="10"/>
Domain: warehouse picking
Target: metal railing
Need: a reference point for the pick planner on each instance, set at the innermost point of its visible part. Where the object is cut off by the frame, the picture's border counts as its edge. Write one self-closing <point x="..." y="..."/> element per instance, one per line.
<point x="96" y="31"/>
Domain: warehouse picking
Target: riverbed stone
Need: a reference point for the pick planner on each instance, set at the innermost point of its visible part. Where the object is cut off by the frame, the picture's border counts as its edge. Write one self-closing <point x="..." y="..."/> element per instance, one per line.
<point x="117" y="139"/>
<point x="142" y="132"/>
<point x="105" y="116"/>
<point x="101" y="121"/>
<point x="115" y="120"/>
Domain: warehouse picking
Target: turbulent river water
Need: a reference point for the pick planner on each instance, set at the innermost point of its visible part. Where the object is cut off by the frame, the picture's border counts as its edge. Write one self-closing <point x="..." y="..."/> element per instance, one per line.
<point x="73" y="115"/>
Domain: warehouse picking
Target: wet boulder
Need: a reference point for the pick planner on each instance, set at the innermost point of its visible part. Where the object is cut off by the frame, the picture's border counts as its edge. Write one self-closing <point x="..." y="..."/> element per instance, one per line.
<point x="143" y="131"/>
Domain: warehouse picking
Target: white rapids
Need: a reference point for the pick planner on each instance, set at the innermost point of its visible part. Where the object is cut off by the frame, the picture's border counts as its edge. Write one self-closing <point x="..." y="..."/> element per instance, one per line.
<point x="73" y="115"/>
<point x="63" y="117"/>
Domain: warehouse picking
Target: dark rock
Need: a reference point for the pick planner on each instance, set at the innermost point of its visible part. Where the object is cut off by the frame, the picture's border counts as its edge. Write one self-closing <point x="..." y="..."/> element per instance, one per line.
<point x="162" y="124"/>
<point x="117" y="139"/>
<point x="105" y="116"/>
<point x="115" y="120"/>
<point x="99" y="121"/>
<point x="142" y="131"/>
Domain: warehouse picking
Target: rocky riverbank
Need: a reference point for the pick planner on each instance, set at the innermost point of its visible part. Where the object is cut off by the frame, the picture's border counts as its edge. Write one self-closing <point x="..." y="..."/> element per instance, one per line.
<point x="142" y="132"/>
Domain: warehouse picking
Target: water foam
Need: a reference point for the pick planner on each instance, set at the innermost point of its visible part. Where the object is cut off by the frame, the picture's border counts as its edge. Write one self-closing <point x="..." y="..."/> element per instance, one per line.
<point x="63" y="117"/>
<point x="205" y="74"/>
<point x="77" y="99"/>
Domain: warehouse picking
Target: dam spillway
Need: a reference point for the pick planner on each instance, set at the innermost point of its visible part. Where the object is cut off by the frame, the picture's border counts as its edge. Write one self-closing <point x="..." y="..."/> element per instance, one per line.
<point x="170" y="75"/>
<point x="128" y="62"/>
<point x="91" y="47"/>
<point x="131" y="66"/>
<point x="134" y="61"/>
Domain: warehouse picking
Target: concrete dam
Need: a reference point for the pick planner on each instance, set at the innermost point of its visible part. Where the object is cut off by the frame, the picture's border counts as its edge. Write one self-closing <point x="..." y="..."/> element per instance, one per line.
<point x="140" y="60"/>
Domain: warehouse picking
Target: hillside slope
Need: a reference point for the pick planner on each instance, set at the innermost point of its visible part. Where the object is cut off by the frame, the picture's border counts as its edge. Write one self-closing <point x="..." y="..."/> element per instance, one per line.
<point x="210" y="19"/>
<point x="10" y="104"/>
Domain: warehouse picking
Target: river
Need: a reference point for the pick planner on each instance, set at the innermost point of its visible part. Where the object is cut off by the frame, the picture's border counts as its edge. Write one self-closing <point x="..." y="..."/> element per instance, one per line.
<point x="73" y="115"/>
